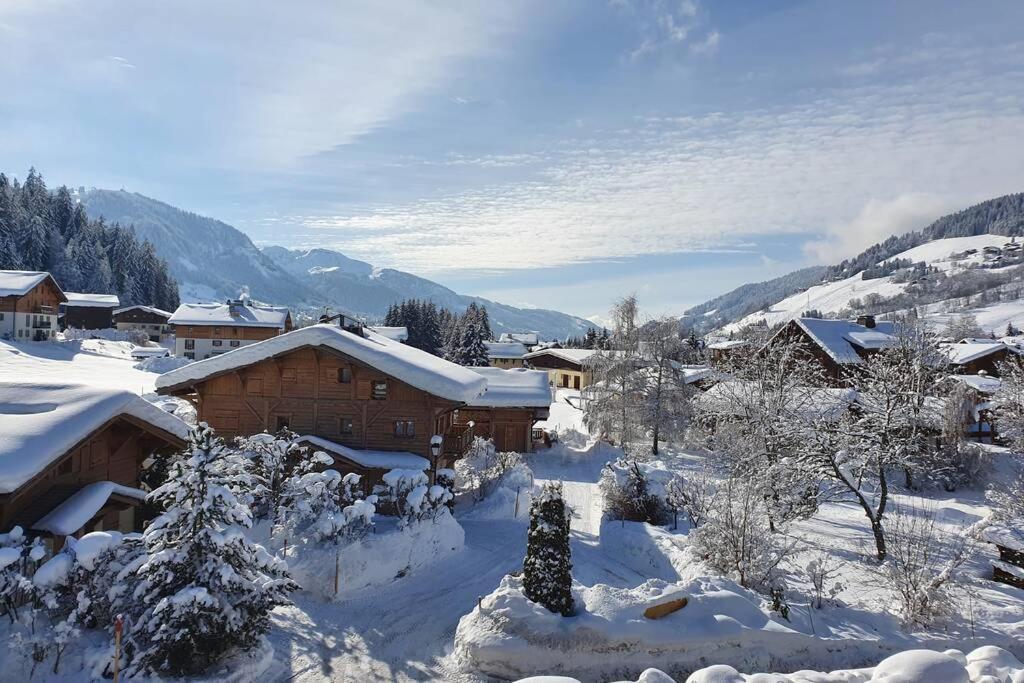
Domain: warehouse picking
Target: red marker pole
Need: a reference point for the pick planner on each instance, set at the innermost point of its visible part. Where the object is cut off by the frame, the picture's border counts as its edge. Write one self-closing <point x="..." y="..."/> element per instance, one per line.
<point x="118" y="629"/>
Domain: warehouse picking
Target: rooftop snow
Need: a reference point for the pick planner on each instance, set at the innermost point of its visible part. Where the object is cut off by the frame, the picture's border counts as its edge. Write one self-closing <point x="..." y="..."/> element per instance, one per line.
<point x="838" y="337"/>
<point x="515" y="388"/>
<point x="1009" y="536"/>
<point x="414" y="367"/>
<point x="505" y="349"/>
<point x="19" y="282"/>
<point x="982" y="383"/>
<point x="40" y="422"/>
<point x="399" y="334"/>
<point x="147" y="309"/>
<point x="92" y="300"/>
<point x="378" y="460"/>
<point x="527" y="338"/>
<point x="962" y="353"/>
<point x="572" y="355"/>
<point x="727" y="344"/>
<point x="76" y="511"/>
<point x="237" y="315"/>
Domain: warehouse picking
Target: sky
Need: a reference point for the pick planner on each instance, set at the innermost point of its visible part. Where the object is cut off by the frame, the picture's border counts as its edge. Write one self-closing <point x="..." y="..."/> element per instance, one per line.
<point x="556" y="154"/>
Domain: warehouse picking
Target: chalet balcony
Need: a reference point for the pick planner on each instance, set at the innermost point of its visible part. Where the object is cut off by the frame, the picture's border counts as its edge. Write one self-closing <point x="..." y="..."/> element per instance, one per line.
<point x="457" y="440"/>
<point x="41" y="324"/>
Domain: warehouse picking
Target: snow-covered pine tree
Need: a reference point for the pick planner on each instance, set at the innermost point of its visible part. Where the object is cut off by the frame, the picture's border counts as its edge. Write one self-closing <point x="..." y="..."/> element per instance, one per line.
<point x="205" y="591"/>
<point x="547" y="569"/>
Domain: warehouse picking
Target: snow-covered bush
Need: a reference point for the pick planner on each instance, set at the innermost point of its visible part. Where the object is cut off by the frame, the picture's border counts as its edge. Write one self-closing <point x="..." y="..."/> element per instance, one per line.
<point x="16" y="552"/>
<point x="737" y="540"/>
<point x="273" y="457"/>
<point x="922" y="568"/>
<point x="1006" y="496"/>
<point x="692" y="495"/>
<point x="413" y="498"/>
<point x="547" y="569"/>
<point x="480" y="471"/>
<point x="308" y="505"/>
<point x="627" y="494"/>
<point x="205" y="591"/>
<point x="822" y="571"/>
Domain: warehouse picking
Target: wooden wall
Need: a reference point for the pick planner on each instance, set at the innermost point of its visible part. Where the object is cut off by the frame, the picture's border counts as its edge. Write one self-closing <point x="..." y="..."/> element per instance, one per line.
<point x="510" y="428"/>
<point x="304" y="390"/>
<point x="88" y="317"/>
<point x="225" y="332"/>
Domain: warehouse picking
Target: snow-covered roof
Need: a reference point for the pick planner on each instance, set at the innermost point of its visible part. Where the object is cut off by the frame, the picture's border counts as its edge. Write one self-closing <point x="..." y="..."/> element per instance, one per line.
<point x="572" y="355"/>
<point x="732" y="396"/>
<point x="695" y="373"/>
<point x="146" y="309"/>
<point x="85" y="300"/>
<point x="378" y="460"/>
<point x="514" y="388"/>
<point x="20" y="282"/>
<point x="505" y="349"/>
<point x="985" y="384"/>
<point x="839" y="337"/>
<point x="1008" y="536"/>
<point x="399" y="334"/>
<point x="727" y="344"/>
<point x="234" y="315"/>
<point x="962" y="353"/>
<point x="977" y="340"/>
<point x="40" y="422"/>
<point x="82" y="506"/>
<point x="414" y="367"/>
<point x="527" y="338"/>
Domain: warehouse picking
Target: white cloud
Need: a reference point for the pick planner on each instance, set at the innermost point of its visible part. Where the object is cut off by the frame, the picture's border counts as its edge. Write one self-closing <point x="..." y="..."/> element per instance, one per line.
<point x="707" y="45"/>
<point x="878" y="220"/>
<point x="665" y="24"/>
<point x="873" y="159"/>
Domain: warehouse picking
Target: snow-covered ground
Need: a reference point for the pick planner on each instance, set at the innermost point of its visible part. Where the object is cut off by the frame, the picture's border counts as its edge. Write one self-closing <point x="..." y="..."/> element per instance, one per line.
<point x="96" y="362"/>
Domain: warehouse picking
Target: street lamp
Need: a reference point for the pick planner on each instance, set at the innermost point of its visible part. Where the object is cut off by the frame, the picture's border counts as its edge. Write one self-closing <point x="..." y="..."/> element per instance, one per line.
<point x="435" y="445"/>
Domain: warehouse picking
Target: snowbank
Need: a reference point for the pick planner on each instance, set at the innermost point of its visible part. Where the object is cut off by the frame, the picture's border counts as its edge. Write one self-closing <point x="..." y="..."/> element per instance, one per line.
<point x="648" y="550"/>
<point x="162" y="364"/>
<point x="379" y="558"/>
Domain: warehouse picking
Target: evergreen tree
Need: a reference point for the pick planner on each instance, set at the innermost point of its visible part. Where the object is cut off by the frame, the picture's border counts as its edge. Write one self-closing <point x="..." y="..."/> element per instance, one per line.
<point x="205" y="590"/>
<point x="547" y="569"/>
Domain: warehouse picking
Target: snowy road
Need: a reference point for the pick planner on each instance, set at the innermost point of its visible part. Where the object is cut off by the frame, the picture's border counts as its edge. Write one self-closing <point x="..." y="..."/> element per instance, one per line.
<point x="402" y="632"/>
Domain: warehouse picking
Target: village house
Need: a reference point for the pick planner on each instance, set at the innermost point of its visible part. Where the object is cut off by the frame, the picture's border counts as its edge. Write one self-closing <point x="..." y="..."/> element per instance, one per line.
<point x="147" y="320"/>
<point x="514" y="401"/>
<point x="71" y="456"/>
<point x="205" y="330"/>
<point x="721" y="351"/>
<point x="974" y="356"/>
<point x="345" y="385"/>
<point x="29" y="305"/>
<point x="88" y="311"/>
<point x="566" y="368"/>
<point x="837" y="346"/>
<point x="527" y="339"/>
<point x="980" y="391"/>
<point x="507" y="354"/>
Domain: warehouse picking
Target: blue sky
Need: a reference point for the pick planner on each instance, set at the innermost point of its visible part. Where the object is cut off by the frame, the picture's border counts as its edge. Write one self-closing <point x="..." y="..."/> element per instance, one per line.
<point x="556" y="154"/>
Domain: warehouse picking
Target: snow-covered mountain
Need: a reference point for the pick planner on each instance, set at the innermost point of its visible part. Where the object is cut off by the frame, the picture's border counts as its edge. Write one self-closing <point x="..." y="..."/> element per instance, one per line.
<point x="212" y="260"/>
<point x="969" y="260"/>
<point x="368" y="291"/>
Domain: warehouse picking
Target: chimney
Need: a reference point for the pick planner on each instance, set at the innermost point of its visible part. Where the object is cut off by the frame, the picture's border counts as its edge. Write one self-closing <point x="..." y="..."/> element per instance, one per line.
<point x="867" y="321"/>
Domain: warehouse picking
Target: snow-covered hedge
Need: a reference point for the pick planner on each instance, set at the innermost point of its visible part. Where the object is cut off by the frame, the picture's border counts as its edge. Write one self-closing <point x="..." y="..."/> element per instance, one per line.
<point x="987" y="664"/>
<point x="376" y="559"/>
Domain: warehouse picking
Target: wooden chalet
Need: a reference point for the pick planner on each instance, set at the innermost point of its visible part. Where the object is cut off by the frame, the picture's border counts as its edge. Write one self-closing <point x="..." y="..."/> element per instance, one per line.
<point x="71" y="456"/>
<point x="29" y="305"/>
<point x="205" y="330"/>
<point x="515" y="400"/>
<point x="1009" y="541"/>
<point x="838" y="346"/>
<point x="973" y="356"/>
<point x="566" y="368"/>
<point x="152" y="322"/>
<point x="348" y="386"/>
<point x="88" y="311"/>
<point x="507" y="354"/>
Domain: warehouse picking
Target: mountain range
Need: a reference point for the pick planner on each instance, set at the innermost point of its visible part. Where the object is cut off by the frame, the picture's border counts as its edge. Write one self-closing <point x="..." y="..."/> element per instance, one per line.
<point x="213" y="261"/>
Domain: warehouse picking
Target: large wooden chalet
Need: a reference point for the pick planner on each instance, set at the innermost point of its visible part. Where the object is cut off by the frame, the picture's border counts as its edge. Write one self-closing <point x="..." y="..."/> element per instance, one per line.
<point x="71" y="456"/>
<point x="84" y="311"/>
<point x="346" y="385"/>
<point x="153" y="322"/>
<point x="978" y="356"/>
<point x="838" y="346"/>
<point x="205" y="330"/>
<point x="29" y="305"/>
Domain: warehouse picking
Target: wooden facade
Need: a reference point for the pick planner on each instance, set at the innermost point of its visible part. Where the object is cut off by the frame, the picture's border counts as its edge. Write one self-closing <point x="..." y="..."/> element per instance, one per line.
<point x="988" y="363"/>
<point x="32" y="316"/>
<point x="87" y="317"/>
<point x="322" y="392"/>
<point x="113" y="452"/>
<point x="563" y="373"/>
<point x="511" y="429"/>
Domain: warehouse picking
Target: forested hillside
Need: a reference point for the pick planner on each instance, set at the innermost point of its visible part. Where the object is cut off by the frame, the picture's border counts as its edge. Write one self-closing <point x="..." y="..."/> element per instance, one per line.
<point x="43" y="230"/>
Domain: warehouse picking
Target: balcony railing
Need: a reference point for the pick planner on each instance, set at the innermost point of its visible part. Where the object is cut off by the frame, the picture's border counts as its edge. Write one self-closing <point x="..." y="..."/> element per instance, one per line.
<point x="457" y="440"/>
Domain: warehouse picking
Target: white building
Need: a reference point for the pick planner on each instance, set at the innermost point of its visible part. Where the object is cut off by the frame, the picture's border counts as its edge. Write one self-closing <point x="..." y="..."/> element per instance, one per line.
<point x="29" y="305"/>
<point x="205" y="330"/>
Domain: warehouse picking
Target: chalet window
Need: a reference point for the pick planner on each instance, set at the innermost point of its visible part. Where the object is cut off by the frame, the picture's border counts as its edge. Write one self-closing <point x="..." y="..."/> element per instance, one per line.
<point x="405" y="429"/>
<point x="190" y="344"/>
<point x="345" y="425"/>
<point x="234" y="331"/>
<point x="1" y="316"/>
<point x="216" y="330"/>
<point x="217" y="342"/>
<point x="344" y="375"/>
<point x="191" y="355"/>
<point x="288" y="375"/>
<point x="281" y="422"/>
<point x="233" y="343"/>
<point x="380" y="390"/>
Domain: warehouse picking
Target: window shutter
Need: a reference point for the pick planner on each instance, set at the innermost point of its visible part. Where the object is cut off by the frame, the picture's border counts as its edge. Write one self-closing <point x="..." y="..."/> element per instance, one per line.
<point x="363" y="390"/>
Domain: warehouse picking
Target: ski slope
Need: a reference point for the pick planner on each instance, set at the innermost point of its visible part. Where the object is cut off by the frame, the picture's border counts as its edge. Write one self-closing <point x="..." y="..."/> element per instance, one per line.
<point x="831" y="297"/>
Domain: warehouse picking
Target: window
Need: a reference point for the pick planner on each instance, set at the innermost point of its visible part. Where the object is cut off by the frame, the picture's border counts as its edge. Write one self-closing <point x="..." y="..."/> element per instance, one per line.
<point x="216" y="330"/>
<point x="345" y="425"/>
<point x="191" y="355"/>
<point x="234" y="331"/>
<point x="405" y="429"/>
<point x="233" y="343"/>
<point x="218" y="342"/>
<point x="380" y="390"/>
<point x="190" y="344"/>
<point x="1" y="316"/>
<point x="344" y="375"/>
<point x="281" y="422"/>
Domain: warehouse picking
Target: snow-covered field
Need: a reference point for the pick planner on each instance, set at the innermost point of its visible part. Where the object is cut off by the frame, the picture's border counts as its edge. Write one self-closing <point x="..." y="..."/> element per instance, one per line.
<point x="96" y="362"/>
